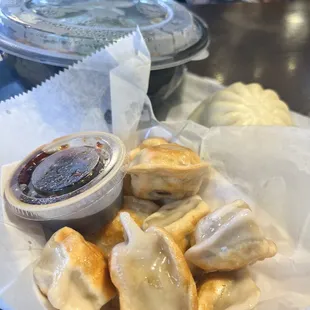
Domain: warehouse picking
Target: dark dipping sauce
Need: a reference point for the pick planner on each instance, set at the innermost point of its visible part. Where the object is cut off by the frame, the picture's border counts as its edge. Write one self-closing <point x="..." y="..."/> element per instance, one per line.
<point x="52" y="177"/>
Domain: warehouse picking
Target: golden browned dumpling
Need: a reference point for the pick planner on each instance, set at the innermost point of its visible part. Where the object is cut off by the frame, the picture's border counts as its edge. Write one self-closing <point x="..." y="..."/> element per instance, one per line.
<point x="154" y="141"/>
<point x="113" y="233"/>
<point x="166" y="171"/>
<point x="147" y="143"/>
<point x="133" y="153"/>
<point x="179" y="218"/>
<point x="127" y="190"/>
<point x="227" y="290"/>
<point x="73" y="273"/>
<point x="229" y="239"/>
<point x="150" y="271"/>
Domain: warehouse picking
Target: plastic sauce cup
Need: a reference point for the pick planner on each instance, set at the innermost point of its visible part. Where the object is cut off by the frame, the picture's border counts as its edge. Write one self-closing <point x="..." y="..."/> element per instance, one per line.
<point x="73" y="181"/>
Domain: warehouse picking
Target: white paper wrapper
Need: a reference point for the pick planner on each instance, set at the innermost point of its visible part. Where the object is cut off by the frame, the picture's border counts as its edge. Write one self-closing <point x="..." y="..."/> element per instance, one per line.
<point x="21" y="241"/>
<point x="272" y="166"/>
<point x="80" y="99"/>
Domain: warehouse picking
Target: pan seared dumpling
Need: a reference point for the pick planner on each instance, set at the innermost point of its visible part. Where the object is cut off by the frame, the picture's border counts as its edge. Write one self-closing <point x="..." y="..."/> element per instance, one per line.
<point x="179" y="218"/>
<point x="227" y="291"/>
<point x="153" y="142"/>
<point x="229" y="239"/>
<point x="133" y="153"/>
<point x="113" y="233"/>
<point x="142" y="208"/>
<point x="167" y="171"/>
<point x="150" y="271"/>
<point x="147" y="143"/>
<point x="72" y="273"/>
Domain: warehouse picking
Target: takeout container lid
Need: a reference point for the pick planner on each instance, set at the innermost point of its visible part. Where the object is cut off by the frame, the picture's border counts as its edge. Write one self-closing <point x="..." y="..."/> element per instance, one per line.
<point x="83" y="202"/>
<point x="59" y="32"/>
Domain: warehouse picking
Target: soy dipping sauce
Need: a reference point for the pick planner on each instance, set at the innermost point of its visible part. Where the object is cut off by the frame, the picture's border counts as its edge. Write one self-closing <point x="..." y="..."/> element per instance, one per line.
<point x="62" y="172"/>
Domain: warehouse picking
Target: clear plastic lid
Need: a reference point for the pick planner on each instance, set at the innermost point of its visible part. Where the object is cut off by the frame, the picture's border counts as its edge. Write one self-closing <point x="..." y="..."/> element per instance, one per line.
<point x="59" y="32"/>
<point x="66" y="176"/>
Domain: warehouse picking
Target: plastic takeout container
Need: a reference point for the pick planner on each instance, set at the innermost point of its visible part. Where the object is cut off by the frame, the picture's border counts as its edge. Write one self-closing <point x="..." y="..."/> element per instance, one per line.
<point x="58" y="32"/>
<point x="40" y="37"/>
<point x="73" y="181"/>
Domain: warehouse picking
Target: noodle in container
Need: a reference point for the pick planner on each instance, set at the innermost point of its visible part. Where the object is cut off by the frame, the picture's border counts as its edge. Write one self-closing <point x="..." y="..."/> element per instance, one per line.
<point x="73" y="181"/>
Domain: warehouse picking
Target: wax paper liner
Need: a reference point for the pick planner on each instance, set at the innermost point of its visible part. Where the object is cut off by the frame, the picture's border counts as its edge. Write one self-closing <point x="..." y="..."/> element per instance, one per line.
<point x="104" y="92"/>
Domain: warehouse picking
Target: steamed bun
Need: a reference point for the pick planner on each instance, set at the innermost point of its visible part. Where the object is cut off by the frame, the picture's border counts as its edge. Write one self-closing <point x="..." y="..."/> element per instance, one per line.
<point x="246" y="105"/>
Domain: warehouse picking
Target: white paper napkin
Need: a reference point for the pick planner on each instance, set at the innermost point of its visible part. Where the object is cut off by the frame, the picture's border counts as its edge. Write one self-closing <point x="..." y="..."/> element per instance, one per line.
<point x="104" y="92"/>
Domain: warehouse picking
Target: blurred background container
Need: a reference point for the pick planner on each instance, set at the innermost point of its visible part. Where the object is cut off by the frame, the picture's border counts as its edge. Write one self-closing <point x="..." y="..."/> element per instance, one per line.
<point x="41" y="37"/>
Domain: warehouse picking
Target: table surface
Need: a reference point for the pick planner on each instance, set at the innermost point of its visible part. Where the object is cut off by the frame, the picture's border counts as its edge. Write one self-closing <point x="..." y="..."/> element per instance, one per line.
<point x="264" y="43"/>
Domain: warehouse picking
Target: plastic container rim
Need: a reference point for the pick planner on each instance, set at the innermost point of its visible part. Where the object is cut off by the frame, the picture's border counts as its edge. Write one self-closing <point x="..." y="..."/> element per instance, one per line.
<point x="54" y="58"/>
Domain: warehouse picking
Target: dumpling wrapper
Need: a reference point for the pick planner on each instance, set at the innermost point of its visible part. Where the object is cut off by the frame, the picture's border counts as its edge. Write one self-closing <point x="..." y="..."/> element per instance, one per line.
<point x="133" y="153"/>
<point x="246" y="105"/>
<point x="72" y="273"/>
<point x="154" y="141"/>
<point x="127" y="190"/>
<point x="227" y="291"/>
<point x="150" y="271"/>
<point x="229" y="239"/>
<point x="179" y="218"/>
<point x="167" y="171"/>
<point x="113" y="233"/>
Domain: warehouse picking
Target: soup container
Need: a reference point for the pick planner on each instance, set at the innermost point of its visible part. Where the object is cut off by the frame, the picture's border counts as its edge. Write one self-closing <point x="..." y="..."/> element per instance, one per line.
<point x="41" y="37"/>
<point x="73" y="181"/>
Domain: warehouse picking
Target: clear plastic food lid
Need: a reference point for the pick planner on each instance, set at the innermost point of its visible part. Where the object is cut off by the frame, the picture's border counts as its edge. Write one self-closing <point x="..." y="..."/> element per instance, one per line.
<point x="59" y="32"/>
<point x="66" y="175"/>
